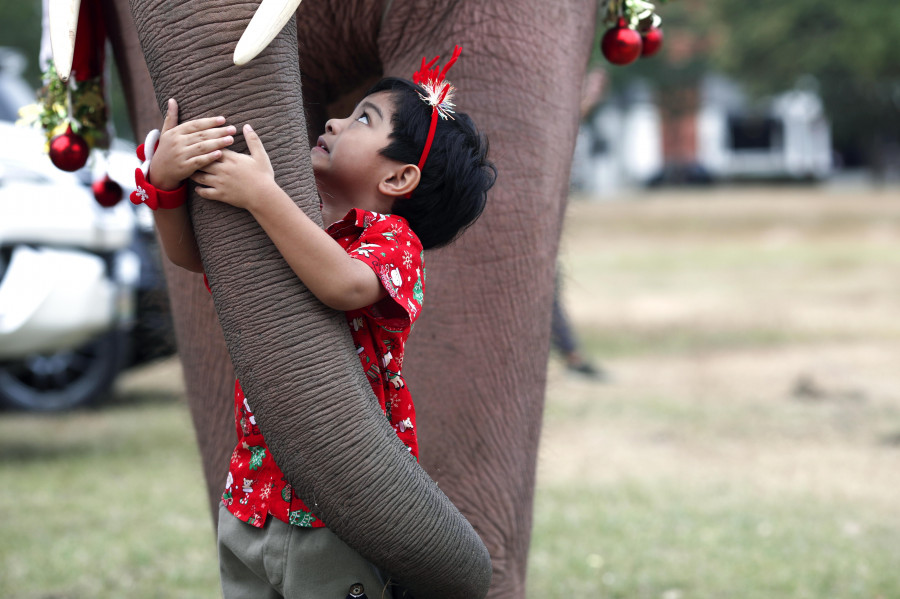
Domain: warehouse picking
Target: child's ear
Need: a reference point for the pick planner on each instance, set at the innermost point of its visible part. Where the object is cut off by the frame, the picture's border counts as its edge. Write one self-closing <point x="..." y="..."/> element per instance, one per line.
<point x="401" y="181"/>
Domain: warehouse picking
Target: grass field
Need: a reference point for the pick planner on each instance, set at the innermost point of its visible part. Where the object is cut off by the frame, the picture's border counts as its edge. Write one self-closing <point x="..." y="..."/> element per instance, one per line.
<point x="746" y="445"/>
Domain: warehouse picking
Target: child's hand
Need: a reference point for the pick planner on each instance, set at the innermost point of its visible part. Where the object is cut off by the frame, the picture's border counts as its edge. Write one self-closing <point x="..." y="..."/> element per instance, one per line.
<point x="187" y="147"/>
<point x="237" y="179"/>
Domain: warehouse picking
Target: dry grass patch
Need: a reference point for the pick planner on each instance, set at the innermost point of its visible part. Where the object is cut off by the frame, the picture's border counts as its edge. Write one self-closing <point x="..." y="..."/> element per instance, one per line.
<point x="747" y="445"/>
<point x="748" y="442"/>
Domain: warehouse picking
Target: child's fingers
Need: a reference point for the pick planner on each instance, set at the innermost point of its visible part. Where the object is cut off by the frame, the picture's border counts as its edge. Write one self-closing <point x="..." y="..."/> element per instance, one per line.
<point x="201" y="124"/>
<point x="205" y="160"/>
<point x="214" y="162"/>
<point x="211" y="134"/>
<point x="211" y="193"/>
<point x="171" y="120"/>
<point x="255" y="144"/>
<point x="201" y="177"/>
<point x="210" y="145"/>
<point x="205" y="192"/>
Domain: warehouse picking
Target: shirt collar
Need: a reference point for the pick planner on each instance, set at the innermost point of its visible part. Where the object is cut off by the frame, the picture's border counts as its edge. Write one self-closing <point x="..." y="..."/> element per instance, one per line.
<point x="356" y="218"/>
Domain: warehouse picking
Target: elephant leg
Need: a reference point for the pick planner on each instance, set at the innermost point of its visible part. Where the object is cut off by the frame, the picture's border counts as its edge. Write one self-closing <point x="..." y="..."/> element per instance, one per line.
<point x="477" y="360"/>
<point x="208" y="376"/>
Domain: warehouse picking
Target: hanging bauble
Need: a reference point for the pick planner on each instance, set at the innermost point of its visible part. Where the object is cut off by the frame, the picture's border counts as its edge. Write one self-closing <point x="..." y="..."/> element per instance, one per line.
<point x="69" y="151"/>
<point x="107" y="192"/>
<point x="621" y="44"/>
<point x="652" y="40"/>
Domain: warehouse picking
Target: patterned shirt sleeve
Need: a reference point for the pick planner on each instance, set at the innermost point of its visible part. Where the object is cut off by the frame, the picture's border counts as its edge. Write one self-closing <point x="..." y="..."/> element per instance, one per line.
<point x="394" y="253"/>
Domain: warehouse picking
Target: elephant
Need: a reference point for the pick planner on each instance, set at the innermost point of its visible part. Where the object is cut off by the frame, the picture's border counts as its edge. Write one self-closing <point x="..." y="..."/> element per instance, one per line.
<point x="476" y="363"/>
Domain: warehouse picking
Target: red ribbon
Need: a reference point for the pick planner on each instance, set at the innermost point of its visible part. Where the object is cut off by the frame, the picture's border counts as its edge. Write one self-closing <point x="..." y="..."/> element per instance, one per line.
<point x="90" y="42"/>
<point x="430" y="139"/>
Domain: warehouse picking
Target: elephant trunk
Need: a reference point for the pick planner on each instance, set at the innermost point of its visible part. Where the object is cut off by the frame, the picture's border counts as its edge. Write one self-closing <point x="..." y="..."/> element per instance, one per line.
<point x="294" y="356"/>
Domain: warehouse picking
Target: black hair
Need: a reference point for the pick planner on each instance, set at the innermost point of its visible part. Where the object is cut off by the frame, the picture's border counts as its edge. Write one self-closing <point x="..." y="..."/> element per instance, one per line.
<point x="455" y="178"/>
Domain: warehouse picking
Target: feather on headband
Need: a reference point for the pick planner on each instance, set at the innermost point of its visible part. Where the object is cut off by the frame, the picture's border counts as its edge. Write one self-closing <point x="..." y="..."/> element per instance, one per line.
<point x="438" y="94"/>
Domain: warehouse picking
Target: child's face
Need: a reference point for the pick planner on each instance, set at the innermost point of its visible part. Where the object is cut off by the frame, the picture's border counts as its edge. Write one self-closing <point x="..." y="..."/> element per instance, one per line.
<point x="346" y="159"/>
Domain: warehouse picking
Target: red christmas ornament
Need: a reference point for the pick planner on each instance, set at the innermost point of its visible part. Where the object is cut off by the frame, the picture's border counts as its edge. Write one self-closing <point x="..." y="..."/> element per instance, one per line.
<point x="620" y="44"/>
<point x="652" y="41"/>
<point x="107" y="192"/>
<point x="69" y="151"/>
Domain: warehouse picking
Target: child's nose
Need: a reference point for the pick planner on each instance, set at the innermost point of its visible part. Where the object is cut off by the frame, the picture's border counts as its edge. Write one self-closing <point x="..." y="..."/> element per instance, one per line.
<point x="332" y="126"/>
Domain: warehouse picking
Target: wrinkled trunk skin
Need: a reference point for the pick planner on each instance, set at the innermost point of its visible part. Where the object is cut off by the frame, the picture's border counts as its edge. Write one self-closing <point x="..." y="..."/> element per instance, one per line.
<point x="294" y="356"/>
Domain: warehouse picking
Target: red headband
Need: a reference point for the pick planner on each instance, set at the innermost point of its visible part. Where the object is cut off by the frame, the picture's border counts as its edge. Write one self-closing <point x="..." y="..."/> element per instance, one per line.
<point x="439" y="95"/>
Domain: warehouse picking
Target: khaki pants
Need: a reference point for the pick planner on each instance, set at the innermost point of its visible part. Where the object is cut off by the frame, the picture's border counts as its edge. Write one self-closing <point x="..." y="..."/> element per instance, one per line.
<point x="282" y="560"/>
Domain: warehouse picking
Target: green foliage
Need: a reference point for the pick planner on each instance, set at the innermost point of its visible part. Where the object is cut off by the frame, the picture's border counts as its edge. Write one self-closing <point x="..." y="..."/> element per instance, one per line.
<point x="20" y="28"/>
<point x="772" y="43"/>
<point x="848" y="49"/>
<point x="80" y="104"/>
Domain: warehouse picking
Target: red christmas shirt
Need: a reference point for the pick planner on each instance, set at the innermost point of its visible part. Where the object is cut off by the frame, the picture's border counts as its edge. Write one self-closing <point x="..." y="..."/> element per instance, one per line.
<point x="256" y="486"/>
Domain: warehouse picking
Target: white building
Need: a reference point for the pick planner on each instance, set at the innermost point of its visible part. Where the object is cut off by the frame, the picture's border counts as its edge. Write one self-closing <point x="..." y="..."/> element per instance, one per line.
<point x="624" y="142"/>
<point x="789" y="137"/>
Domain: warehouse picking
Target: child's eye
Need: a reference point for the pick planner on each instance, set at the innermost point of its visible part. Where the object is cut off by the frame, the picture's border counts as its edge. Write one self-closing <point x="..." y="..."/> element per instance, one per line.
<point x="363" y="118"/>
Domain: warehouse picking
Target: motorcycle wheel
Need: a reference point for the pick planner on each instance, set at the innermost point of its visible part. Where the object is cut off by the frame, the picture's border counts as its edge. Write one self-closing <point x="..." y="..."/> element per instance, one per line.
<point x="64" y="379"/>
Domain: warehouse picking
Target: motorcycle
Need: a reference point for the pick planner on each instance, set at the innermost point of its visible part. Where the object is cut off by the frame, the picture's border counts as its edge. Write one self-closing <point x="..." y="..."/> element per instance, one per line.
<point x="72" y="274"/>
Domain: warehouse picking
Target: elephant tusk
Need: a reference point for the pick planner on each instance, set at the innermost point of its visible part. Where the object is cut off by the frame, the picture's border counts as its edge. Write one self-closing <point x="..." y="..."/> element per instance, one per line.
<point x="63" y="15"/>
<point x="266" y="23"/>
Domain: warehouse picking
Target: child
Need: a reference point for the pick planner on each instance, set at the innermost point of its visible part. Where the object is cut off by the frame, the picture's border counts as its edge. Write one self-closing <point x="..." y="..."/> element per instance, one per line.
<point x="393" y="180"/>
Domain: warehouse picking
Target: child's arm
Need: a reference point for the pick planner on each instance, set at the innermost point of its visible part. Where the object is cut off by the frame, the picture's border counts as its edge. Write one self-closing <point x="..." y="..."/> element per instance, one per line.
<point x="248" y="182"/>
<point x="177" y="237"/>
<point x="182" y="150"/>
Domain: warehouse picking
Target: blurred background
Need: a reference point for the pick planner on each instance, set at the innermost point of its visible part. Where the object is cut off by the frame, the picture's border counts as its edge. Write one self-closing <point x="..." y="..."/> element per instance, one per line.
<point x="723" y="401"/>
<point x="775" y="91"/>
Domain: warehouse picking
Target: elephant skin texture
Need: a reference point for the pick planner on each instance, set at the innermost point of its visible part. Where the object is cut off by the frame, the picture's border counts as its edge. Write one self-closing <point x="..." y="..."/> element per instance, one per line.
<point x="476" y="363"/>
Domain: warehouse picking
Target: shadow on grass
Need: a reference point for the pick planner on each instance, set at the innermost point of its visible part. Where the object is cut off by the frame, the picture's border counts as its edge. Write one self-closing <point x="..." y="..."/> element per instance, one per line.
<point x="37" y="451"/>
<point x="138" y="398"/>
<point x="126" y="422"/>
